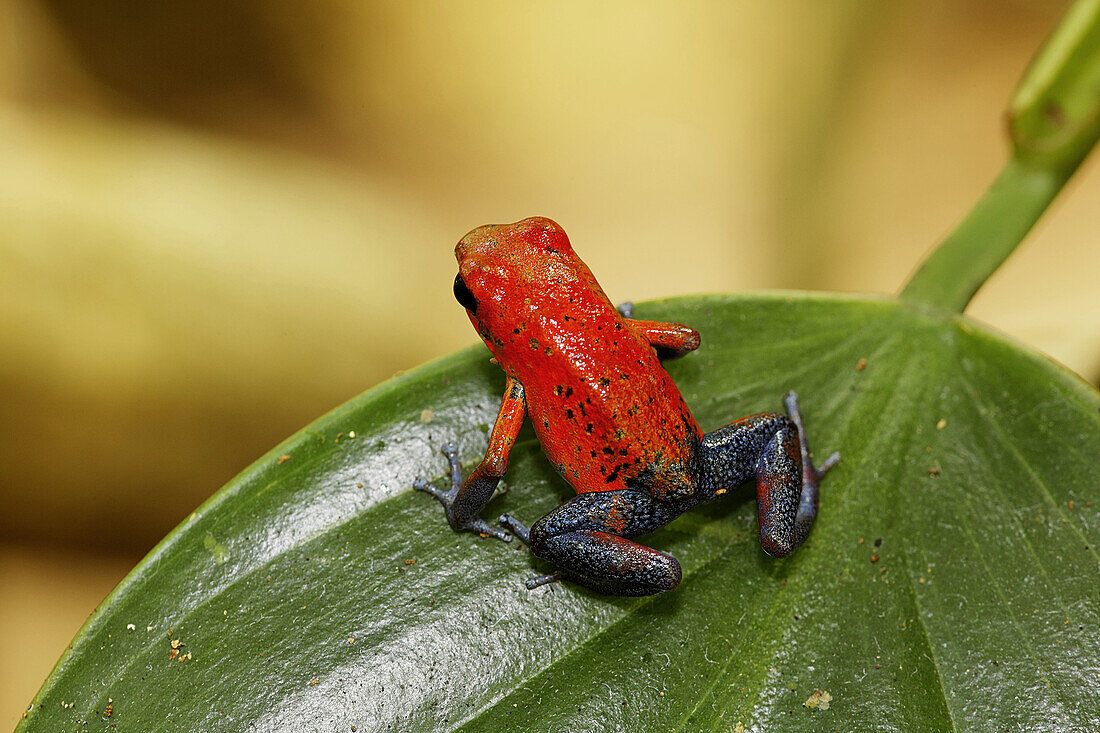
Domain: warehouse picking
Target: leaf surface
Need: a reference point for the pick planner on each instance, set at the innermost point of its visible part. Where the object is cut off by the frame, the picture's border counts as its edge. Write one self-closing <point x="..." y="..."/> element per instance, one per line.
<point x="951" y="581"/>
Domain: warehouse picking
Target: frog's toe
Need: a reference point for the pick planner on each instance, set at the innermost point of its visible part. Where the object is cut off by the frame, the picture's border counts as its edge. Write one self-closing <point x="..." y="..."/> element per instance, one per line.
<point x="540" y="580"/>
<point x="444" y="497"/>
<point x="790" y="401"/>
<point x="485" y="529"/>
<point x="516" y="527"/>
<point x="831" y="461"/>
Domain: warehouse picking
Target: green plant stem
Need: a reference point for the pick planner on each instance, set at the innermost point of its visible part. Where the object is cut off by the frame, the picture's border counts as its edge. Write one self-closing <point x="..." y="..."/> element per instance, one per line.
<point x="1053" y="122"/>
<point x="964" y="260"/>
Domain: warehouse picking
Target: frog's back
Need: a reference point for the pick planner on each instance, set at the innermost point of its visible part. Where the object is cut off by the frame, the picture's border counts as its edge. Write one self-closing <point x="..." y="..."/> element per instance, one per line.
<point x="607" y="414"/>
<point x="604" y="408"/>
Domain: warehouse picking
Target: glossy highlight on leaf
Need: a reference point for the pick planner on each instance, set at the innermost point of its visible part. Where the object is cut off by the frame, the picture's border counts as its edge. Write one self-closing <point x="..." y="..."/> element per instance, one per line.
<point x="950" y="582"/>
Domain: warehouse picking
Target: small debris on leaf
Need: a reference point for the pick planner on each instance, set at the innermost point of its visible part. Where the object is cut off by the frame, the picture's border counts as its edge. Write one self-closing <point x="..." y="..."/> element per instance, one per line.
<point x="284" y="458"/>
<point x="819" y="700"/>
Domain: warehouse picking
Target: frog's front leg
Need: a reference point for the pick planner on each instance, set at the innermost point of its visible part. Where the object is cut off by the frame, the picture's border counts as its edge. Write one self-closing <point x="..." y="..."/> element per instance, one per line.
<point x="589" y="539"/>
<point x="773" y="448"/>
<point x="465" y="500"/>
<point x="670" y="340"/>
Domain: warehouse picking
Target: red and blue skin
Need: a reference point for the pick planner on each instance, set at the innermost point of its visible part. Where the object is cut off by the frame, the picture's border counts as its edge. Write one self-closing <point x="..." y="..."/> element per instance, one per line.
<point x="609" y="419"/>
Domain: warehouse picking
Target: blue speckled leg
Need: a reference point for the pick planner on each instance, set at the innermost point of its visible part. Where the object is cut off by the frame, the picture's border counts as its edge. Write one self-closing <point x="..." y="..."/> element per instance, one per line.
<point x="773" y="448"/>
<point x="588" y="539"/>
<point x="463" y="502"/>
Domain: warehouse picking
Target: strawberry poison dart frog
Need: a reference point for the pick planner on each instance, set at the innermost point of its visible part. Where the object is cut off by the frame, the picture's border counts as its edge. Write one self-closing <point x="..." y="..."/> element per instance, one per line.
<point x="609" y="419"/>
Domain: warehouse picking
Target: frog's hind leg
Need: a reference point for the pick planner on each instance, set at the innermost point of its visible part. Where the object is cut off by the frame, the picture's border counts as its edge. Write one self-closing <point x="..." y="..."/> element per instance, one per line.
<point x="588" y="538"/>
<point x="773" y="448"/>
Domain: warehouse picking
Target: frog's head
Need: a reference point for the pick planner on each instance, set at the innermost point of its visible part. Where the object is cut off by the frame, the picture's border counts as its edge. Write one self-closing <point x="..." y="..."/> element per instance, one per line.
<point x="497" y="262"/>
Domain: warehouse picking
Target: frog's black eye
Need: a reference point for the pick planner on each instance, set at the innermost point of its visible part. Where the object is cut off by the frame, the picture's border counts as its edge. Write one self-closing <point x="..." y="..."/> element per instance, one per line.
<point x="463" y="295"/>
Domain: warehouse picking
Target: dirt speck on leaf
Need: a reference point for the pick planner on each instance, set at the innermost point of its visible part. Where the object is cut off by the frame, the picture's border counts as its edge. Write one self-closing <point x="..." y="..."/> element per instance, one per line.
<point x="819" y="700"/>
<point x="217" y="549"/>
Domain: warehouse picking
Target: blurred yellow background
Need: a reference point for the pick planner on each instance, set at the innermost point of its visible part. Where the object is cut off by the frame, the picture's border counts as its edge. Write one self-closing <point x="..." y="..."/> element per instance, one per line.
<point x="220" y="220"/>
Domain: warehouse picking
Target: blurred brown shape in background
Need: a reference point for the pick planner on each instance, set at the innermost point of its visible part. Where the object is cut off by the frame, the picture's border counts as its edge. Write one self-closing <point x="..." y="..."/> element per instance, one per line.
<point x="217" y="221"/>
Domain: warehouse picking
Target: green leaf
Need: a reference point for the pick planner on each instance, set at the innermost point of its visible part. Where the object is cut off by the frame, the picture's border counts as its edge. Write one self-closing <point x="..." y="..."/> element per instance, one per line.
<point x="318" y="592"/>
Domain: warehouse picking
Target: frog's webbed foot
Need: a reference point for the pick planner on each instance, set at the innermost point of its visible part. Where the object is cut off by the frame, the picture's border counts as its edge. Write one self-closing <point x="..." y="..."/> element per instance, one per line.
<point x="454" y="502"/>
<point x="790" y="401"/>
<point x="541" y="580"/>
<point x="446" y="498"/>
<point x="516" y="527"/>
<point x="521" y="530"/>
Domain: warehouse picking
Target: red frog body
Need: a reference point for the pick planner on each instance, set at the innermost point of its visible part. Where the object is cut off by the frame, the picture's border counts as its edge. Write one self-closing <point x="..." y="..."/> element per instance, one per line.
<point x="609" y="418"/>
<point x="601" y="404"/>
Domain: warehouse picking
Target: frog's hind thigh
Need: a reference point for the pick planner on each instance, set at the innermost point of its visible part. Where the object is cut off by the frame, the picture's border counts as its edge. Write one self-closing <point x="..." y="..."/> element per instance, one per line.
<point x="588" y="539"/>
<point x="611" y="564"/>
<point x="772" y="447"/>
